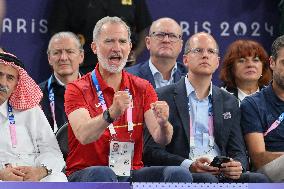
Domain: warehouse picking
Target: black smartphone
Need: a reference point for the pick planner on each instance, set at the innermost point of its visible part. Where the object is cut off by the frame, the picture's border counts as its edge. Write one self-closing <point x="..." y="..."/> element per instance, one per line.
<point x="218" y="160"/>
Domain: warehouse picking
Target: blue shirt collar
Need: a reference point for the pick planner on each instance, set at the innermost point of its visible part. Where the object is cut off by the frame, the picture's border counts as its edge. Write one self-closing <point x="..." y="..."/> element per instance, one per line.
<point x="190" y="89"/>
<point x="155" y="71"/>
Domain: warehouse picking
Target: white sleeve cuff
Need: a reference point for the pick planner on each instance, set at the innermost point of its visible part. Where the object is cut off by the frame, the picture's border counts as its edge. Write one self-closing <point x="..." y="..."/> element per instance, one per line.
<point x="186" y="163"/>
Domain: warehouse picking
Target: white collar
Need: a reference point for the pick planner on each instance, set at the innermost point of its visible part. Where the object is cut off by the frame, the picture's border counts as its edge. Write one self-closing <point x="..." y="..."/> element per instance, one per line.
<point x="242" y="94"/>
<point x="4" y="109"/>
<point x="60" y="82"/>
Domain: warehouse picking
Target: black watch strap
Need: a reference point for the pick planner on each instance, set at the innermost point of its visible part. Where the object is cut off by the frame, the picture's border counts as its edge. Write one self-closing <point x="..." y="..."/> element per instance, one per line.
<point x="106" y="116"/>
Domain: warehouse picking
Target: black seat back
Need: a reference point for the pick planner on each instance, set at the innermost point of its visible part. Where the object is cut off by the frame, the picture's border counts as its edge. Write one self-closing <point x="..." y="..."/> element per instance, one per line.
<point x="62" y="138"/>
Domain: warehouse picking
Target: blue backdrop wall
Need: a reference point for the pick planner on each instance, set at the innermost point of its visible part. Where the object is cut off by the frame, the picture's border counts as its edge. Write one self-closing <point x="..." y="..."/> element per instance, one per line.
<point x="25" y="27"/>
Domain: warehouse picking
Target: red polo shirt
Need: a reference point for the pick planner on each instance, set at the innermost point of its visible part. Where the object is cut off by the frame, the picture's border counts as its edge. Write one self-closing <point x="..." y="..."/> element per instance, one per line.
<point x="82" y="94"/>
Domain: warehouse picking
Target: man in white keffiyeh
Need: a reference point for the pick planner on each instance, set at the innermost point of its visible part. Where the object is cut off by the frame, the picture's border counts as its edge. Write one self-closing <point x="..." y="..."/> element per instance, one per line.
<point x="28" y="148"/>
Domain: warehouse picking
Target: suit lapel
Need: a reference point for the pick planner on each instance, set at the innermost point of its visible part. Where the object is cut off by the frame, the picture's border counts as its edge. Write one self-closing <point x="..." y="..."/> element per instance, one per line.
<point x="147" y="74"/>
<point x="181" y="101"/>
<point x="218" y="110"/>
<point x="177" y="76"/>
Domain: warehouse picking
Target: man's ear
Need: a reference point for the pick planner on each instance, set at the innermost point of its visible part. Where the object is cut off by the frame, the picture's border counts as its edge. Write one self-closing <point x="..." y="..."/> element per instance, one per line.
<point x="147" y="42"/>
<point x="94" y="47"/>
<point x="185" y="60"/>
<point x="82" y="56"/>
<point x="130" y="44"/>
<point x="49" y="62"/>
<point x="272" y="63"/>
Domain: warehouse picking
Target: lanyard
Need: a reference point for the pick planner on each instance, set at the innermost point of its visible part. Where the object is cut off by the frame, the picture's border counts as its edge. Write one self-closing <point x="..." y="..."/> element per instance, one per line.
<point x="210" y="125"/>
<point x="275" y="124"/>
<point x="104" y="107"/>
<point x="52" y="103"/>
<point x="12" y="126"/>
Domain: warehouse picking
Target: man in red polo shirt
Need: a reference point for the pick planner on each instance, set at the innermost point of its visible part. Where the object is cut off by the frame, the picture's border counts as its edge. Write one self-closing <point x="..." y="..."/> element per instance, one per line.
<point x="109" y="106"/>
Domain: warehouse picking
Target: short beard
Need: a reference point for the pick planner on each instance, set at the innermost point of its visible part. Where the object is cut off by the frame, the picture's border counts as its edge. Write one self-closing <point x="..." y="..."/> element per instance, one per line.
<point x="110" y="68"/>
<point x="278" y="79"/>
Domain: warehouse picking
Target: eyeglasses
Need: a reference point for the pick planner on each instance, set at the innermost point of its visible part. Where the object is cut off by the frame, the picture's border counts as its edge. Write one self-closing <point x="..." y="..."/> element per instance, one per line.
<point x="161" y="36"/>
<point x="200" y="51"/>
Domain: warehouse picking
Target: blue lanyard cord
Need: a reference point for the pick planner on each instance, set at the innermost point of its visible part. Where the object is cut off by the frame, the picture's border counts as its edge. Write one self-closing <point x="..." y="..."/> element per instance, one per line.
<point x="50" y="90"/>
<point x="98" y="88"/>
<point x="12" y="126"/>
<point x="52" y="103"/>
<point x="210" y="106"/>
<point x="11" y="115"/>
<point x="103" y="103"/>
<point x="281" y="117"/>
<point x="275" y="124"/>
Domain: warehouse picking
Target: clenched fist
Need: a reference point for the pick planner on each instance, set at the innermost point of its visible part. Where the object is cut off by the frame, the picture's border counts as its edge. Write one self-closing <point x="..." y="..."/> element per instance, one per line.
<point x="161" y="111"/>
<point x="121" y="101"/>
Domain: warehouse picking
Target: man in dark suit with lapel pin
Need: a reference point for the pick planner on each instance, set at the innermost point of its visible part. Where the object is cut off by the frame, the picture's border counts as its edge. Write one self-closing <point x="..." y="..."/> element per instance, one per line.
<point x="165" y="44"/>
<point x="206" y="121"/>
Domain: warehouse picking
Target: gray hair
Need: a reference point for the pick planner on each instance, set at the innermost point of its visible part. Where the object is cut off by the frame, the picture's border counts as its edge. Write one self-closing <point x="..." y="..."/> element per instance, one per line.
<point x="108" y="19"/>
<point x="187" y="44"/>
<point x="276" y="46"/>
<point x="66" y="34"/>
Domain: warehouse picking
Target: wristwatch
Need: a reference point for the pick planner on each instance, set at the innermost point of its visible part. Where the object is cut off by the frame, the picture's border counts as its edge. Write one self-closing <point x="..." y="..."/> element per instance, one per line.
<point x="49" y="171"/>
<point x="106" y="116"/>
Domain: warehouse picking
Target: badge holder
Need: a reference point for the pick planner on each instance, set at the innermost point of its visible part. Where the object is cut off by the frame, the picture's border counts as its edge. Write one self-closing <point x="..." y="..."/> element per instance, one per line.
<point x="120" y="157"/>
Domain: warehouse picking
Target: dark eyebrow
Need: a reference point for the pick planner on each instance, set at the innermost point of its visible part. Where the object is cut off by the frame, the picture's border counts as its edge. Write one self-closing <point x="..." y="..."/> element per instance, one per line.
<point x="8" y="75"/>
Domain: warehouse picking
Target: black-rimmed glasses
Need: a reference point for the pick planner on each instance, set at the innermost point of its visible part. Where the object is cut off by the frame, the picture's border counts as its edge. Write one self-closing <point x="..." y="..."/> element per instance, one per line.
<point x="161" y="36"/>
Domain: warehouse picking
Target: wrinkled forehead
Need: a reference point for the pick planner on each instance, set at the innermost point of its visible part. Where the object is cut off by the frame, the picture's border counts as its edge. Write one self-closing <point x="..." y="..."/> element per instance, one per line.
<point x="63" y="43"/>
<point x="113" y="30"/>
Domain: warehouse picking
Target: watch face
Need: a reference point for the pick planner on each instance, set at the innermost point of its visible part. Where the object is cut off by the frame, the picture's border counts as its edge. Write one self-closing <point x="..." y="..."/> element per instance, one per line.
<point x="107" y="117"/>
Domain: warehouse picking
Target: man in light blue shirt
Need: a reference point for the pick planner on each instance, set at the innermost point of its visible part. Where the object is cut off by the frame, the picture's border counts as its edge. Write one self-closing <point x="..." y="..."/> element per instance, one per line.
<point x="205" y="119"/>
<point x="165" y="44"/>
<point x="200" y="139"/>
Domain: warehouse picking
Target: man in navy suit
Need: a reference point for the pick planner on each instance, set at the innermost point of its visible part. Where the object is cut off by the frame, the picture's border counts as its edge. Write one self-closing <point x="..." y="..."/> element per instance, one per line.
<point x="206" y="121"/>
<point x="165" y="44"/>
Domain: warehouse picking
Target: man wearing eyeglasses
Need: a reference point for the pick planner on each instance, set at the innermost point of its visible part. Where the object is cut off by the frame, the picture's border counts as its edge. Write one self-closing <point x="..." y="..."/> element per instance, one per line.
<point x="65" y="54"/>
<point x="206" y="121"/>
<point x="165" y="44"/>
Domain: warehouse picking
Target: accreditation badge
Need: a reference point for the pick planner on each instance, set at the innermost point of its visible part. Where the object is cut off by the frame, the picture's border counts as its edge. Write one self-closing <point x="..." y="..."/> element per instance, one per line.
<point x="120" y="157"/>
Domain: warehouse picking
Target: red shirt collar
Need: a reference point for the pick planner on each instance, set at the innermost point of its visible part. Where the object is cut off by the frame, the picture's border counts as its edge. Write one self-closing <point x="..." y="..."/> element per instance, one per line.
<point x="124" y="83"/>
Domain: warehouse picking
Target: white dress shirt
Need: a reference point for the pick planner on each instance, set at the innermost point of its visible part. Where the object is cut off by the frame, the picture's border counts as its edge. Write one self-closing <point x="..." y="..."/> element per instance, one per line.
<point x="36" y="143"/>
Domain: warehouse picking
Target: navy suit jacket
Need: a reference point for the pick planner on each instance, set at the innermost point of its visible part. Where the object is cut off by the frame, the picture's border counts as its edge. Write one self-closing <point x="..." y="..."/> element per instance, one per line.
<point x="142" y="70"/>
<point x="227" y="131"/>
<point x="59" y="91"/>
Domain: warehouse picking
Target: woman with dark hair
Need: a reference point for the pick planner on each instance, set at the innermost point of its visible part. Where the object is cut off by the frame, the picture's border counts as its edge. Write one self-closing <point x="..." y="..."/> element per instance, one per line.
<point x="245" y="68"/>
